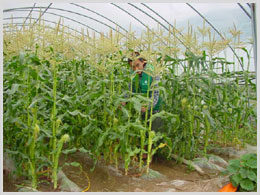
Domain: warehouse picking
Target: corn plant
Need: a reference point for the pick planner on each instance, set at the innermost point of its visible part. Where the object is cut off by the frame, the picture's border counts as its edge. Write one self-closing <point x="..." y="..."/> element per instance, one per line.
<point x="55" y="92"/>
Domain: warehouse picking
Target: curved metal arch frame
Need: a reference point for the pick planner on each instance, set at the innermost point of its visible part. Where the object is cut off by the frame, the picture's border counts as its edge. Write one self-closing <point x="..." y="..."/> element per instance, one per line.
<point x="137" y="20"/>
<point x="69" y="11"/>
<point x="162" y="18"/>
<point x="223" y="38"/>
<point x="63" y="17"/>
<point x="239" y="4"/>
<point x="28" y="24"/>
<point x="66" y="18"/>
<point x="131" y="16"/>
<point x="44" y="21"/>
<point x="43" y="13"/>
<point x="167" y="23"/>
<point x="29" y="14"/>
<point x="140" y="22"/>
<point x="159" y="23"/>
<point x="100" y="16"/>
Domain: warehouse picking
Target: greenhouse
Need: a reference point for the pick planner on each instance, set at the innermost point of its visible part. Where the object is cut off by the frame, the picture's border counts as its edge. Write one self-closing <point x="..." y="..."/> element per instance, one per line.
<point x="129" y="97"/>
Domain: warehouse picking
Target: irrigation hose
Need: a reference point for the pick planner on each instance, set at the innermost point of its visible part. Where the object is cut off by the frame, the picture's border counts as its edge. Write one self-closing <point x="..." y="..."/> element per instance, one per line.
<point x="86" y="175"/>
<point x="44" y="171"/>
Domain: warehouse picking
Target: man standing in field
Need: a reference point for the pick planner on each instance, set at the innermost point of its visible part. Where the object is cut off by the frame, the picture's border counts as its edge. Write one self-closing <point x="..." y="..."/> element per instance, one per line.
<point x="141" y="83"/>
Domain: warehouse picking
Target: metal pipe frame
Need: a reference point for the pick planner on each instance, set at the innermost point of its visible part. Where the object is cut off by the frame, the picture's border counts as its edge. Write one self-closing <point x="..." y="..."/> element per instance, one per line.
<point x="137" y="20"/>
<point x="159" y="23"/>
<point x="29" y="14"/>
<point x="68" y="18"/>
<point x="253" y="22"/>
<point x="217" y="33"/>
<point x="244" y="10"/>
<point x="69" y="11"/>
<point x="100" y="15"/>
<point x="44" y="21"/>
<point x="43" y="13"/>
<point x="162" y="18"/>
<point x="28" y="24"/>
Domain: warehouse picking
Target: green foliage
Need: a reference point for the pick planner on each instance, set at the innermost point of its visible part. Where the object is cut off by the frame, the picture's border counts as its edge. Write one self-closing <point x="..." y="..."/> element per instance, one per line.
<point x="243" y="172"/>
<point x="208" y="107"/>
<point x="82" y="98"/>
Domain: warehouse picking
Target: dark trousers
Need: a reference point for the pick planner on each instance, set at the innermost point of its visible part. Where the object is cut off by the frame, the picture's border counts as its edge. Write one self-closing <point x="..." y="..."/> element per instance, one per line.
<point x="157" y="123"/>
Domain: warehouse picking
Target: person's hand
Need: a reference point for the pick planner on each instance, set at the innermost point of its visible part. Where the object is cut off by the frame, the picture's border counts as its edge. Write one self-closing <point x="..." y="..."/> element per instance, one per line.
<point x="143" y="109"/>
<point x="122" y="104"/>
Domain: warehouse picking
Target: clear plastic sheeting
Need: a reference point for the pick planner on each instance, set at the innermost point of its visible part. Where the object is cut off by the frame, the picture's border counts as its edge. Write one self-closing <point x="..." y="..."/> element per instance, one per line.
<point x="228" y="19"/>
<point x="123" y="14"/>
<point x="112" y="96"/>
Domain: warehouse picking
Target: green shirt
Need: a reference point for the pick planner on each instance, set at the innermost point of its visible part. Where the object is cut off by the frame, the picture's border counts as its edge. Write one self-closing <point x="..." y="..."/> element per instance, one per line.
<point x="141" y="83"/>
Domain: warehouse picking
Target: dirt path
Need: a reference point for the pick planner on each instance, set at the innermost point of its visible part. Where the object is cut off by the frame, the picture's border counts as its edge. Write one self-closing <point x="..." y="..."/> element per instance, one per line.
<point x="175" y="177"/>
<point x="105" y="178"/>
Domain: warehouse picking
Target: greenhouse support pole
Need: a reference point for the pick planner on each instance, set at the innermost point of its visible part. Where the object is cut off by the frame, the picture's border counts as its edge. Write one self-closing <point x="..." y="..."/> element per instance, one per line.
<point x="1" y="98"/>
<point x="42" y="13"/>
<point x="256" y="14"/>
<point x="28" y="16"/>
<point x="68" y="18"/>
<point x="42" y="20"/>
<point x="214" y="28"/>
<point x="244" y="10"/>
<point x="253" y="22"/>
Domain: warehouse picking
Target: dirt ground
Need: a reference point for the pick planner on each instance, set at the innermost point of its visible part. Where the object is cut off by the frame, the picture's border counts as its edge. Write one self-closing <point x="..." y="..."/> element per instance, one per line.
<point x="105" y="178"/>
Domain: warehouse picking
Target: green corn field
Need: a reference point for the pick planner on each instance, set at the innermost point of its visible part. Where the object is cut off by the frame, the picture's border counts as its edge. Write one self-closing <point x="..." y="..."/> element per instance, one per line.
<point x="63" y="93"/>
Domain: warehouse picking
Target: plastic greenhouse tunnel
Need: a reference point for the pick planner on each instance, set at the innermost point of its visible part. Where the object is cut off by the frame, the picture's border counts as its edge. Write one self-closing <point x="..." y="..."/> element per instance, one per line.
<point x="129" y="97"/>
